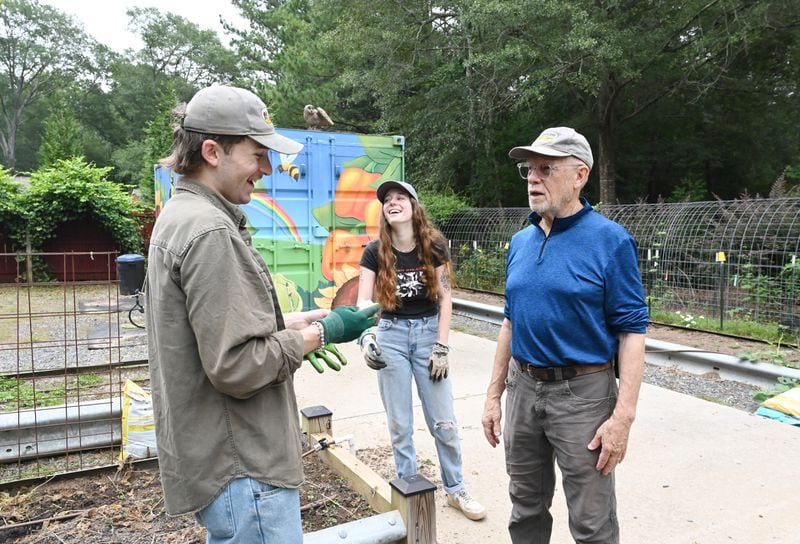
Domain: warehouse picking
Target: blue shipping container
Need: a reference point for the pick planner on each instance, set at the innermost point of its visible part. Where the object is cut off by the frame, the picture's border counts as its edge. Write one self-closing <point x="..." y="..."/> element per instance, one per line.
<point x="311" y="218"/>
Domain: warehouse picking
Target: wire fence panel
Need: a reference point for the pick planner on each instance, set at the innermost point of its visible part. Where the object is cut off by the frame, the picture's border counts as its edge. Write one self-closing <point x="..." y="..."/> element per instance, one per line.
<point x="479" y="240"/>
<point x="66" y="349"/>
<point x="723" y="261"/>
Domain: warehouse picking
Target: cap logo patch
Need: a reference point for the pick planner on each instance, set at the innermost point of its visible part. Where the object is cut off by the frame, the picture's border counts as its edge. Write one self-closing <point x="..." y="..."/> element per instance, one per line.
<point x="545" y="138"/>
<point x="265" y="115"/>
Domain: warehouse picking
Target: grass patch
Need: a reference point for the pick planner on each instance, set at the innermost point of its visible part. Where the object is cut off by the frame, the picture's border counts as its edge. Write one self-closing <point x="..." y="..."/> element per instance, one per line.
<point x="764" y="332"/>
<point x="783" y="385"/>
<point x="88" y="380"/>
<point x="776" y="357"/>
<point x="18" y="394"/>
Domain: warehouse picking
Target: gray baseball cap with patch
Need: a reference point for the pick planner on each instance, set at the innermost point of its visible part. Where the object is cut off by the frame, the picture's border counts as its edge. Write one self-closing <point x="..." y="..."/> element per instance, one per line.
<point x="557" y="142"/>
<point x="384" y="187"/>
<point x="233" y="111"/>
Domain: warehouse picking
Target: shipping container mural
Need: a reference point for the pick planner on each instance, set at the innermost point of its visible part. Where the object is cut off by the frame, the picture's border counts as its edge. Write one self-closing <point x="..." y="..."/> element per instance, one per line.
<point x="311" y="219"/>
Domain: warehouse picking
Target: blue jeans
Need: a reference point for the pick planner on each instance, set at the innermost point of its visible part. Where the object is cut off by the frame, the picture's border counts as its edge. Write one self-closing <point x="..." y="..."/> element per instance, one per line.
<point x="405" y="347"/>
<point x="248" y="511"/>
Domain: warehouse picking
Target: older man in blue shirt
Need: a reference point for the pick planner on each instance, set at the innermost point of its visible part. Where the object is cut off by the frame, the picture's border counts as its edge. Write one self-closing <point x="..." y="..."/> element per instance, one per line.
<point x="574" y="299"/>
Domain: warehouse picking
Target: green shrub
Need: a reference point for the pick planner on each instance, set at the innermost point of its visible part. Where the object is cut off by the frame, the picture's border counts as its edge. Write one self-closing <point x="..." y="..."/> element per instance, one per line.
<point x="479" y="269"/>
<point x="72" y="189"/>
<point x="10" y="216"/>
<point x="441" y="206"/>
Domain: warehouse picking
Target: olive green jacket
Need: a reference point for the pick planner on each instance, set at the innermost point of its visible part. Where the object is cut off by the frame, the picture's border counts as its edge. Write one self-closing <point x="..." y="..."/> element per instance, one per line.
<point x="221" y="362"/>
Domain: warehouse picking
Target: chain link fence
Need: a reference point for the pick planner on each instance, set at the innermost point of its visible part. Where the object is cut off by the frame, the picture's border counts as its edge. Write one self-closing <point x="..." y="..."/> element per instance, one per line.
<point x="723" y="264"/>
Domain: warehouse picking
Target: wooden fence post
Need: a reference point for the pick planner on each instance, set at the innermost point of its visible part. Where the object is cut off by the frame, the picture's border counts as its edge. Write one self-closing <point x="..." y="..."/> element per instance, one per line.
<point x="413" y="497"/>
<point x="316" y="423"/>
<point x="316" y="420"/>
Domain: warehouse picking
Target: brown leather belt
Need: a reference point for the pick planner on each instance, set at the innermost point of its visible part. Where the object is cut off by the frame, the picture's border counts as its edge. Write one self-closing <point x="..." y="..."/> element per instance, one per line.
<point x="557" y="373"/>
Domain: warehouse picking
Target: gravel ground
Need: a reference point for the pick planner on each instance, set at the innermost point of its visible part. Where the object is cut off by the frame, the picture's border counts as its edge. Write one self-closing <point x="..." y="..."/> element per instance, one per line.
<point x="96" y="334"/>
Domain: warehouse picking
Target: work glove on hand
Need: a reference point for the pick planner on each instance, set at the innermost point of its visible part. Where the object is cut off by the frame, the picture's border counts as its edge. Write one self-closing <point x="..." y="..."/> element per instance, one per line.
<point x="371" y="350"/>
<point x="346" y="323"/>
<point x="437" y="364"/>
<point x="323" y="354"/>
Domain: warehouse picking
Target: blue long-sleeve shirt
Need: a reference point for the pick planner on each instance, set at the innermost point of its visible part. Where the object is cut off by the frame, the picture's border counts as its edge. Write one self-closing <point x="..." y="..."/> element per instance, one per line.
<point x="570" y="293"/>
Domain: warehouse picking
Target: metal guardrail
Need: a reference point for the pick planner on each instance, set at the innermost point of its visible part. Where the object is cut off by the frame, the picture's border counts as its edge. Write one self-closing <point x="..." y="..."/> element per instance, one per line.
<point x="57" y="430"/>
<point x="696" y="361"/>
<point x="479" y="310"/>
<point x="667" y="354"/>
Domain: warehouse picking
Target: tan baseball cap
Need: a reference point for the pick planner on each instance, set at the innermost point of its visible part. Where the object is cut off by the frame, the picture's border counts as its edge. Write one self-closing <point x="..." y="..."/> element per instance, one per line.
<point x="557" y="142"/>
<point x="232" y="111"/>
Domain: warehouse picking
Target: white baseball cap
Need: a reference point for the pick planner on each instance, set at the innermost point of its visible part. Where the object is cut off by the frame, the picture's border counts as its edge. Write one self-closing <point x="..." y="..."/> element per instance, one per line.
<point x="384" y="187"/>
<point x="557" y="142"/>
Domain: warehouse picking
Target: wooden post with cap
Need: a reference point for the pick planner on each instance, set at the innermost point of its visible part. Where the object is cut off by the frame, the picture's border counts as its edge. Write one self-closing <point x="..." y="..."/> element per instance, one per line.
<point x="316" y="420"/>
<point x="412" y="497"/>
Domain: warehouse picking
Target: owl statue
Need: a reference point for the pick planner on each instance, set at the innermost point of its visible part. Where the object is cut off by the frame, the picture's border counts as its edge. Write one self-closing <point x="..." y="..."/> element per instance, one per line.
<point x="316" y="118"/>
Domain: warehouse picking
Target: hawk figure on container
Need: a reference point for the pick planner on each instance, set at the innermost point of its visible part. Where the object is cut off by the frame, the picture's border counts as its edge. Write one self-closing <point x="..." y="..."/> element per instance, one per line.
<point x="316" y="118"/>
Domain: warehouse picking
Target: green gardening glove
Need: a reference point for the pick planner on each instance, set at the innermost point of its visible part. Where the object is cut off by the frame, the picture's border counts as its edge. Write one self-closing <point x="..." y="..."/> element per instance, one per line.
<point x="346" y="323"/>
<point x="314" y="358"/>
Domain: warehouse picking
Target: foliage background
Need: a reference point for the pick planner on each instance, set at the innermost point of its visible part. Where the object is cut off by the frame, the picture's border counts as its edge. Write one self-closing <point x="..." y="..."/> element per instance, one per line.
<point x="688" y="100"/>
<point x="68" y="190"/>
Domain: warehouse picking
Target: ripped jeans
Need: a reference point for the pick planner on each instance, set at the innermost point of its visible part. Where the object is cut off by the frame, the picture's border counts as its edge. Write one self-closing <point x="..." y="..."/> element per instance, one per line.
<point x="405" y="347"/>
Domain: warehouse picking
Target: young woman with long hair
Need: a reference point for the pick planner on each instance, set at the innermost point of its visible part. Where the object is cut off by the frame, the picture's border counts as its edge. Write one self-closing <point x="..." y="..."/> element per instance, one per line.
<point x="407" y="271"/>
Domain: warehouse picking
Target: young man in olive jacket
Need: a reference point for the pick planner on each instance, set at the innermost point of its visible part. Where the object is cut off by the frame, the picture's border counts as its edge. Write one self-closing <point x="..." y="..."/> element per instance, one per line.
<point x="222" y="355"/>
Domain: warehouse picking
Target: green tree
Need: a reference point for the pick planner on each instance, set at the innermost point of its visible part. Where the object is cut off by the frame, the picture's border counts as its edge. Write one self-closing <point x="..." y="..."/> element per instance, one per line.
<point x="177" y="47"/>
<point x="10" y="217"/>
<point x="438" y="75"/>
<point x="287" y="64"/>
<point x="157" y="145"/>
<point x="40" y="50"/>
<point x="176" y="59"/>
<point x="127" y="161"/>
<point x="62" y="137"/>
<point x="466" y="80"/>
<point x="621" y="59"/>
<point x="134" y="98"/>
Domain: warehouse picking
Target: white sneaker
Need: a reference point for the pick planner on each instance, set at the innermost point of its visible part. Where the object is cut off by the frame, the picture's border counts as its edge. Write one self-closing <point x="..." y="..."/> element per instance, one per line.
<point x="463" y="501"/>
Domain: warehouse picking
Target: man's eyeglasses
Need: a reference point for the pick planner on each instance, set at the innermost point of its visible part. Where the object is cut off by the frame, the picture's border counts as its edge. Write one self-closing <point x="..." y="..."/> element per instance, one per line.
<point x="545" y="170"/>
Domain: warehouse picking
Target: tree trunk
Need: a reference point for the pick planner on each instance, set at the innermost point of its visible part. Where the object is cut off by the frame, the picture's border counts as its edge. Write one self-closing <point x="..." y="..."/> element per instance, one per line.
<point x="8" y="140"/>
<point x="606" y="166"/>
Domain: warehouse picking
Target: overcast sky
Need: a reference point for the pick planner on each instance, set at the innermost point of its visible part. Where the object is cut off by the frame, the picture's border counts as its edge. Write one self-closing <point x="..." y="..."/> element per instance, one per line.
<point x="106" y="22"/>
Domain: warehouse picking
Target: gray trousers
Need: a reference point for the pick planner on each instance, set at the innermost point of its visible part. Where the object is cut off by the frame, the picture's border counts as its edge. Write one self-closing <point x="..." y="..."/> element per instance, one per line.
<point x="556" y="420"/>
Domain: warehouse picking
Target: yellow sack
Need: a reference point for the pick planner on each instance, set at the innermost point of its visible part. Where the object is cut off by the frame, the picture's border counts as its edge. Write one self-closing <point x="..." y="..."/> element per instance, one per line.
<point x="138" y="426"/>
<point x="787" y="402"/>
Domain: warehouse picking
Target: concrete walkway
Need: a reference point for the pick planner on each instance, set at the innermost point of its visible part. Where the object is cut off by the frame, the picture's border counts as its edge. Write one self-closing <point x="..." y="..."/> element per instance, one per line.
<point x="695" y="472"/>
